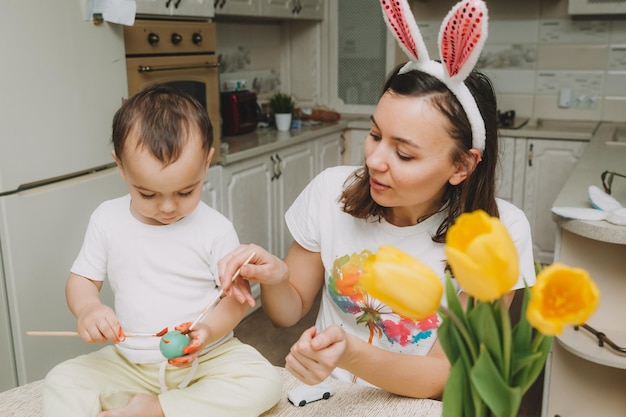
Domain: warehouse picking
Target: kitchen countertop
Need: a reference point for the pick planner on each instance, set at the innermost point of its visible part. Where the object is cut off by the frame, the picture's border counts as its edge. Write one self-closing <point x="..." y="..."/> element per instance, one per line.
<point x="266" y="139"/>
<point x="534" y="128"/>
<point x="554" y="129"/>
<point x="597" y="157"/>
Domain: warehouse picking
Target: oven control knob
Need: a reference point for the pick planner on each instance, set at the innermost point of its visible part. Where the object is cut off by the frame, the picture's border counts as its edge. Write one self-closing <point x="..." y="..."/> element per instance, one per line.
<point x="176" y="38"/>
<point x="153" y="38"/>
<point x="196" y="38"/>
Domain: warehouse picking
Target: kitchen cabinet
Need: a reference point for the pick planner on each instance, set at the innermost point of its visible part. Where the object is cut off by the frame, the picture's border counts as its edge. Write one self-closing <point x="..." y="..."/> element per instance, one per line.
<point x="237" y="7"/>
<point x="329" y="151"/>
<point x="212" y="188"/>
<point x="355" y="146"/>
<point x="302" y="9"/>
<point x="530" y="175"/>
<point x="287" y="9"/>
<point x="579" y="368"/>
<point x="257" y="192"/>
<point x="197" y="8"/>
<point x="549" y="165"/>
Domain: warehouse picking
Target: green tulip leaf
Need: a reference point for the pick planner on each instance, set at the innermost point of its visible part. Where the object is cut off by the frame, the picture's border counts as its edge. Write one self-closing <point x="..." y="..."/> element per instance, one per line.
<point x="536" y="367"/>
<point x="502" y="400"/>
<point x="447" y="340"/>
<point x="455" y="395"/>
<point x="522" y="332"/>
<point x="521" y="364"/>
<point x="454" y="304"/>
<point x="483" y="325"/>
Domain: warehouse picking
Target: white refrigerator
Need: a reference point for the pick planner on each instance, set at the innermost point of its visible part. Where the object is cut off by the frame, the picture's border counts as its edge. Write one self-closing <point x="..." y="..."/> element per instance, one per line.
<point x="61" y="80"/>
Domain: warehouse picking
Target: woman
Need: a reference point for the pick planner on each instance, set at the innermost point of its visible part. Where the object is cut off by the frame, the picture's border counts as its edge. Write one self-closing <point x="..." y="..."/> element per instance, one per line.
<point x="421" y="172"/>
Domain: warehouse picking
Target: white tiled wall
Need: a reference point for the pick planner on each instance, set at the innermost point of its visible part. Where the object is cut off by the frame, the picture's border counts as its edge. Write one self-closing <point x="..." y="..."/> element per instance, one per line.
<point x="538" y="56"/>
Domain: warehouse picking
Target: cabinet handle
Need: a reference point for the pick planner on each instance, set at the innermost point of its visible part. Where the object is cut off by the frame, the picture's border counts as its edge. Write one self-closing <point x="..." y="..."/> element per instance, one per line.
<point x="222" y="4"/>
<point x="274" y="176"/>
<point x="530" y="155"/>
<point x="278" y="161"/>
<point x="177" y="4"/>
<point x="167" y="4"/>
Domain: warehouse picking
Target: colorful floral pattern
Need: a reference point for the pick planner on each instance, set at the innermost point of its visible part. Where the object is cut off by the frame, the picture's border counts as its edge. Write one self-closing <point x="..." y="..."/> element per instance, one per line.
<point x="378" y="317"/>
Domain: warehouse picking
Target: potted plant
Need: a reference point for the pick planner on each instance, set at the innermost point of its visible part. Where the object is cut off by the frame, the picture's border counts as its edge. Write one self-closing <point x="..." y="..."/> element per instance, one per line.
<point x="282" y="106"/>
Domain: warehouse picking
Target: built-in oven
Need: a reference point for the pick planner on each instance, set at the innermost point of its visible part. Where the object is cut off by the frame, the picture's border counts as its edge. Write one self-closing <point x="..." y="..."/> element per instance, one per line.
<point x="178" y="53"/>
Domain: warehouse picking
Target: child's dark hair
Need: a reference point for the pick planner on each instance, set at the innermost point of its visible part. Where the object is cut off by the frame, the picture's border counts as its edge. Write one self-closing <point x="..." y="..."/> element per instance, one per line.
<point x="162" y="118"/>
<point x="478" y="189"/>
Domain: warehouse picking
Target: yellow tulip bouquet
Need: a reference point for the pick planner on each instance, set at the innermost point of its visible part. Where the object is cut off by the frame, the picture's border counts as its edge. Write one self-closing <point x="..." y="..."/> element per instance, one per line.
<point x="492" y="362"/>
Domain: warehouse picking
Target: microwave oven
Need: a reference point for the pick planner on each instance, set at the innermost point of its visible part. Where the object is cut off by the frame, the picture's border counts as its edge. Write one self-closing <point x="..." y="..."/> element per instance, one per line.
<point x="240" y="112"/>
<point x="596" y="7"/>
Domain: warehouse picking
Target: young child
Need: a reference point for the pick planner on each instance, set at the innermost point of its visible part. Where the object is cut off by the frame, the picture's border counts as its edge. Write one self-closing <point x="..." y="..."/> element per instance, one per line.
<point x="158" y="247"/>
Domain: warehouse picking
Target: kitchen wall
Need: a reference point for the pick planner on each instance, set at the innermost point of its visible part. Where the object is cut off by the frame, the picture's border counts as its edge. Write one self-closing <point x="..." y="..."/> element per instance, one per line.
<point x="543" y="62"/>
<point x="251" y="52"/>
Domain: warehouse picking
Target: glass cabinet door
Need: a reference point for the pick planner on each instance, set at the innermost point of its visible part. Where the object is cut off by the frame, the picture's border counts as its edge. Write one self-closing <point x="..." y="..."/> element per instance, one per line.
<point x="365" y="53"/>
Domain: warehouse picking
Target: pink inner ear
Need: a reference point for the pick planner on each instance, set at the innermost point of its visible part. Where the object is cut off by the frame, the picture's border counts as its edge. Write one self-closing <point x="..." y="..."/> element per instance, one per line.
<point x="461" y="35"/>
<point x="393" y="11"/>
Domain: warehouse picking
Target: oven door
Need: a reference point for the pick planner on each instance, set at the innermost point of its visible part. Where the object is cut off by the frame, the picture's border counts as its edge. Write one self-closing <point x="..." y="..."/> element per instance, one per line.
<point x="195" y="74"/>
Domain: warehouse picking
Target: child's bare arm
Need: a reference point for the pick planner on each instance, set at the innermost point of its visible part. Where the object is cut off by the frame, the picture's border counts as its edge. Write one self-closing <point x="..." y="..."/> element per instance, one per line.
<point x="95" y="322"/>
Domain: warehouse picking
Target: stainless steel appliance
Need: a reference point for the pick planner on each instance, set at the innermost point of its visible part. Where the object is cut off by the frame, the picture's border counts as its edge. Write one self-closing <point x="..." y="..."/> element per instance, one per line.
<point x="62" y="80"/>
<point x="181" y="54"/>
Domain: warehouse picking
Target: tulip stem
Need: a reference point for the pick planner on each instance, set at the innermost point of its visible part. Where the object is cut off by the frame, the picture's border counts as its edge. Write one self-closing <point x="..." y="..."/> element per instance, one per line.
<point x="506" y="338"/>
<point x="462" y="329"/>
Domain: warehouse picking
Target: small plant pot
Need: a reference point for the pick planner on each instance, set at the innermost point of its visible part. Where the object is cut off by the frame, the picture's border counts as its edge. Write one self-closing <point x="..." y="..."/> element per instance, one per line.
<point x="283" y="121"/>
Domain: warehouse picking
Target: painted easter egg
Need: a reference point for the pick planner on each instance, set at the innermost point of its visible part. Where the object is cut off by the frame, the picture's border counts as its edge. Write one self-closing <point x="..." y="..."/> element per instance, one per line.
<point x="173" y="343"/>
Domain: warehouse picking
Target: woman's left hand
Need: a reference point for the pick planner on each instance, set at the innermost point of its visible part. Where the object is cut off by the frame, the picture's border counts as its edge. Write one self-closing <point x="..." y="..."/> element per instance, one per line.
<point x="315" y="355"/>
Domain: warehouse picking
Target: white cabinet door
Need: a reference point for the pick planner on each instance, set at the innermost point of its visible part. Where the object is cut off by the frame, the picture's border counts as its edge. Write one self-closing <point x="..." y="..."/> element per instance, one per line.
<point x="510" y="172"/>
<point x="549" y="164"/>
<point x="212" y="188"/>
<point x="158" y="7"/>
<point x="296" y="168"/>
<point x="198" y="8"/>
<point x="355" y="147"/>
<point x="248" y="203"/>
<point x="237" y="7"/>
<point x="329" y="151"/>
<point x="310" y="9"/>
<point x="301" y="9"/>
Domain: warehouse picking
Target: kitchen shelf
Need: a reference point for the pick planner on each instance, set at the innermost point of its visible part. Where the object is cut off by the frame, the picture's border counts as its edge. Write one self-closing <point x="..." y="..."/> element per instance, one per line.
<point x="585" y="345"/>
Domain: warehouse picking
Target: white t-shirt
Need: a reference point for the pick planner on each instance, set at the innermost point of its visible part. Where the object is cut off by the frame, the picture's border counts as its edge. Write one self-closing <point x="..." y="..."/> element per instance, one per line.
<point x="318" y="224"/>
<point x="160" y="275"/>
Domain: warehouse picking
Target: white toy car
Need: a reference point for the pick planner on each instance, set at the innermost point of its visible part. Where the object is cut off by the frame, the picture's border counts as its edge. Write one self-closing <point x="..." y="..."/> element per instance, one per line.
<point x="304" y="394"/>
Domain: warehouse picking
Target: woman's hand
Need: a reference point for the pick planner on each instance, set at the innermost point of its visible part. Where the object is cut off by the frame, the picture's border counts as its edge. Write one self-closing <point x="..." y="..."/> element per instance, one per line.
<point x="263" y="268"/>
<point x="314" y="356"/>
<point x="97" y="323"/>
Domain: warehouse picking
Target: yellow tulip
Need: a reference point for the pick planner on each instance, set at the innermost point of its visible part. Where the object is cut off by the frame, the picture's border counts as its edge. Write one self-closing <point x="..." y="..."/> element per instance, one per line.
<point x="407" y="286"/>
<point x="562" y="296"/>
<point x="482" y="256"/>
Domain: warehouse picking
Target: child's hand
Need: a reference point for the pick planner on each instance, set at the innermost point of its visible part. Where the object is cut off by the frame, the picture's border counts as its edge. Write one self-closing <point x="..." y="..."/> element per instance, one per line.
<point x="199" y="337"/>
<point x="97" y="323"/>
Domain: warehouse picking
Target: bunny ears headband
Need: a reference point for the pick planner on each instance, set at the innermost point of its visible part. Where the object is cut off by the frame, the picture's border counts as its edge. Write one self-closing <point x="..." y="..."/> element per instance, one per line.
<point x="461" y="38"/>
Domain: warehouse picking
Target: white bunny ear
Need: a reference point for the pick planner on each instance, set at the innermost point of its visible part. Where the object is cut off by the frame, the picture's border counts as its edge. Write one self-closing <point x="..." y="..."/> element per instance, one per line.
<point x="400" y="20"/>
<point x="462" y="36"/>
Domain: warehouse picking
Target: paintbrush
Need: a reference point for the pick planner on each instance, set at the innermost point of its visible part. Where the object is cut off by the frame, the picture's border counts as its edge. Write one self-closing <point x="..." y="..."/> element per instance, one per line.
<point x="219" y="295"/>
<point x="71" y="333"/>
